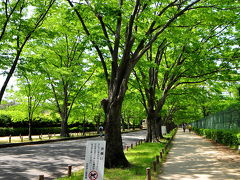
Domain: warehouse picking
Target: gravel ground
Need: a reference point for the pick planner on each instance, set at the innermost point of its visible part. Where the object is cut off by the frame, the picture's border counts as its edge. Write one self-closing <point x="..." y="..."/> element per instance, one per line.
<point x="51" y="159"/>
<point x="193" y="157"/>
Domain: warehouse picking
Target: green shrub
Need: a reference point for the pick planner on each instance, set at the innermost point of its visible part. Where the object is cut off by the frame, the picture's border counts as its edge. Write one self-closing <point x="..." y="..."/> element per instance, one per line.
<point x="24" y="131"/>
<point x="226" y="137"/>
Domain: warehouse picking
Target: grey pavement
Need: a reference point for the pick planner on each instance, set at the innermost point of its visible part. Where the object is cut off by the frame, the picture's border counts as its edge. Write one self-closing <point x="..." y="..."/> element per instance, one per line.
<point x="51" y="160"/>
<point x="193" y="157"/>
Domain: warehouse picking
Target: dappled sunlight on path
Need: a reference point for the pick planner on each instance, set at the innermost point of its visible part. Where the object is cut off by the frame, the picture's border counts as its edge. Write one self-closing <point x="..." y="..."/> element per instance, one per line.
<point x="193" y="157"/>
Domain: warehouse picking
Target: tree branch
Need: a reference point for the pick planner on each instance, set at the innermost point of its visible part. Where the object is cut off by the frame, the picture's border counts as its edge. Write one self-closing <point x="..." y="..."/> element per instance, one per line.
<point x="144" y="102"/>
<point x="8" y="16"/>
<point x="100" y="54"/>
<point x="78" y="92"/>
<point x="156" y="35"/>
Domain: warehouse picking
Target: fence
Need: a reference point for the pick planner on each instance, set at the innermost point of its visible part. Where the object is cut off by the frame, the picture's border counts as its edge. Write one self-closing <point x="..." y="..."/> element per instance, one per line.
<point x="228" y="119"/>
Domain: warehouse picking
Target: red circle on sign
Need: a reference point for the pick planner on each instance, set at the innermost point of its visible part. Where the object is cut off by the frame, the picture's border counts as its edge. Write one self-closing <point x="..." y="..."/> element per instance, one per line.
<point x="93" y="175"/>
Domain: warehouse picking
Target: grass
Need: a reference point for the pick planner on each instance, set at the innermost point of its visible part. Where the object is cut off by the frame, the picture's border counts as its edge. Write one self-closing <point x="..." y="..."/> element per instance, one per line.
<point x="140" y="157"/>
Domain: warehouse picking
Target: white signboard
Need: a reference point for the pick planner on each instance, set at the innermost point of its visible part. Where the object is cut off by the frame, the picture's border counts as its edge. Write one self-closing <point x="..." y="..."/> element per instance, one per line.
<point x="164" y="130"/>
<point x="94" y="160"/>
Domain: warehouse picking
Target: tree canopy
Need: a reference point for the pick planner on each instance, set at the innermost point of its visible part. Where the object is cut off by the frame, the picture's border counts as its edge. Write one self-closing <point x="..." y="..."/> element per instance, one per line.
<point x="117" y="62"/>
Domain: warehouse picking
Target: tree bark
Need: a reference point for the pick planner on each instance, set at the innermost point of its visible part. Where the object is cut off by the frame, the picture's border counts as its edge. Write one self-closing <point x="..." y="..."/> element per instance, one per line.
<point x="114" y="149"/>
<point x="158" y="127"/>
<point x="151" y="126"/>
<point x="64" y="125"/>
<point x="30" y="117"/>
<point x="30" y="128"/>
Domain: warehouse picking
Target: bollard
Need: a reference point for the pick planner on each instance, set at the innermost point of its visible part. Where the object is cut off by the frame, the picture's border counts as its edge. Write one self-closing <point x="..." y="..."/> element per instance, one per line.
<point x="157" y="159"/>
<point x="69" y="170"/>
<point x="154" y="166"/>
<point x="161" y="155"/>
<point x="41" y="177"/>
<point x="131" y="146"/>
<point x="148" y="174"/>
<point x="127" y="147"/>
<point x="22" y="139"/>
<point x="10" y="139"/>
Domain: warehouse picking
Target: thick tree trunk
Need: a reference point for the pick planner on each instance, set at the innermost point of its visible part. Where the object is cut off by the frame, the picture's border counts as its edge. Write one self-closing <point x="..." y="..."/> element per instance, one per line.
<point x="149" y="137"/>
<point x="158" y="128"/>
<point x="154" y="132"/>
<point x="155" y="128"/>
<point x="114" y="150"/>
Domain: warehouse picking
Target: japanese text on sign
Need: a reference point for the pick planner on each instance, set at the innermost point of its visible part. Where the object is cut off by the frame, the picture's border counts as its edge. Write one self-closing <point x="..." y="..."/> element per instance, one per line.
<point x="94" y="160"/>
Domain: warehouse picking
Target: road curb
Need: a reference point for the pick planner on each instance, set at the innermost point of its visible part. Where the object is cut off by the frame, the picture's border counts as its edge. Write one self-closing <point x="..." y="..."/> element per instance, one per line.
<point x="44" y="141"/>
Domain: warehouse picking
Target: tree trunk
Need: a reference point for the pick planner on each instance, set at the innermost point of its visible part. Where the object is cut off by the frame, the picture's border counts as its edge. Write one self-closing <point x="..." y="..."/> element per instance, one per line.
<point x="154" y="128"/>
<point x="64" y="125"/>
<point x="9" y="75"/>
<point x="149" y="131"/>
<point x="83" y="127"/>
<point x="114" y="149"/>
<point x="30" y="128"/>
<point x="158" y="127"/>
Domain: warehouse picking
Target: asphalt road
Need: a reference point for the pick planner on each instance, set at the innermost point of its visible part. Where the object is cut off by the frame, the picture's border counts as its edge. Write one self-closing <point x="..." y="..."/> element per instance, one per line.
<point x="50" y="160"/>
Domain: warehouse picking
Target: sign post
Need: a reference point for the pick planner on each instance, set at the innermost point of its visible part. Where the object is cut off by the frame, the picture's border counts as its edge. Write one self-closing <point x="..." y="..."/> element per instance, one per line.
<point x="94" y="160"/>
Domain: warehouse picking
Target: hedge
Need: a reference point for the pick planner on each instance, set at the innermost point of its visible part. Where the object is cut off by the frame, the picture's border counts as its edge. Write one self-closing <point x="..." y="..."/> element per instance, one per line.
<point x="37" y="131"/>
<point x="226" y="137"/>
<point x="24" y="131"/>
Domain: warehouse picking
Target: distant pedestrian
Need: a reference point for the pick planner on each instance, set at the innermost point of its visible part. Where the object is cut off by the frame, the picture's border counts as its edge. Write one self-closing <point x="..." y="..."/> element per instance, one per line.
<point x="184" y="127"/>
<point x="101" y="131"/>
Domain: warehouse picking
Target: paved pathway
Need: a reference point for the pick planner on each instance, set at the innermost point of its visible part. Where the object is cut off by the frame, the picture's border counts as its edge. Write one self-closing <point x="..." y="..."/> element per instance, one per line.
<point x="52" y="159"/>
<point x="193" y="157"/>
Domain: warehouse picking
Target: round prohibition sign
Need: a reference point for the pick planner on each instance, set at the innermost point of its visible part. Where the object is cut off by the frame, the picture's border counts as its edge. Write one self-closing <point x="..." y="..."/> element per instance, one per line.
<point x="93" y="175"/>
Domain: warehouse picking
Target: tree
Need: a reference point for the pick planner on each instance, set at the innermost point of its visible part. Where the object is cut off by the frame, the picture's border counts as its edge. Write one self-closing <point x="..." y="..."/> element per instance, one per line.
<point x="62" y="59"/>
<point x="123" y="31"/>
<point x="32" y="87"/>
<point x="21" y="30"/>
<point x="198" y="56"/>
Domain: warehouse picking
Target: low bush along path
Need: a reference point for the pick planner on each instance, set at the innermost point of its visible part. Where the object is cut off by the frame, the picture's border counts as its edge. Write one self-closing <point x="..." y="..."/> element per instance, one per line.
<point x="194" y="157"/>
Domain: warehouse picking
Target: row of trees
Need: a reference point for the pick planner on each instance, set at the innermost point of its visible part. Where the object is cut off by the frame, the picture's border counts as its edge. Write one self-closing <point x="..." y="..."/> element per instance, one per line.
<point x="169" y="55"/>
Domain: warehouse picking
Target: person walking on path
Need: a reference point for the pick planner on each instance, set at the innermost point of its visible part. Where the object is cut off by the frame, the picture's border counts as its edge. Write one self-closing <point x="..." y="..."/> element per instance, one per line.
<point x="184" y="127"/>
<point x="193" y="157"/>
